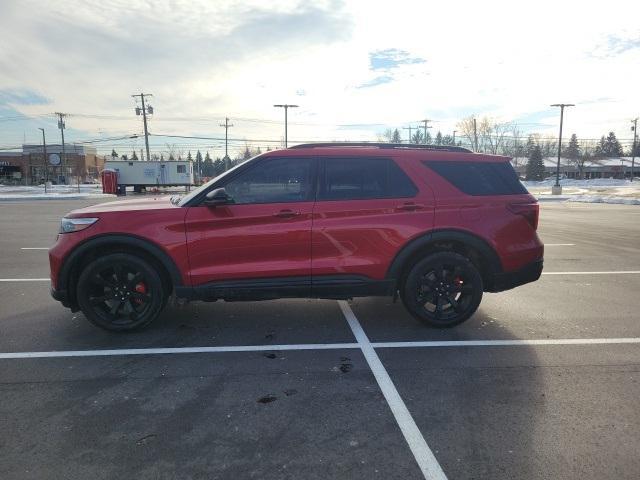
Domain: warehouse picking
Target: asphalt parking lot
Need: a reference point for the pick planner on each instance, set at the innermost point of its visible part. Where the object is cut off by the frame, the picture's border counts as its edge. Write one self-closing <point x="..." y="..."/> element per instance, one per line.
<point x="542" y="382"/>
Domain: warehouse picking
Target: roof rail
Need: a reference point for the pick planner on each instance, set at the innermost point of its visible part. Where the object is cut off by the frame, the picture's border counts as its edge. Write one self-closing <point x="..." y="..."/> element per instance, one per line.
<point x="418" y="146"/>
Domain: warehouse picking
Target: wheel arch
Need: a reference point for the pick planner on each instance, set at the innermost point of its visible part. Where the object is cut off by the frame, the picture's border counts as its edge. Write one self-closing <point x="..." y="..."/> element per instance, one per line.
<point x="104" y="244"/>
<point x="472" y="246"/>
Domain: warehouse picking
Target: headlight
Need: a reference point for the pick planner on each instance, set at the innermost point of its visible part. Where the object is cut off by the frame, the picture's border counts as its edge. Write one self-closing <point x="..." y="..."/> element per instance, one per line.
<point x="69" y="225"/>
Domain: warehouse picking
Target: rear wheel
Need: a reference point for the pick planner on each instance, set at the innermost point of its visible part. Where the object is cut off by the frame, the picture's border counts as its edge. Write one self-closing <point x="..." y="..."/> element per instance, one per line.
<point x="120" y="292"/>
<point x="443" y="289"/>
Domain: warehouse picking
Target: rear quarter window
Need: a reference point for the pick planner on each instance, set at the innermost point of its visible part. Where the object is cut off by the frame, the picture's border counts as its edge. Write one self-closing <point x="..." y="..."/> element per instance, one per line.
<point x="480" y="178"/>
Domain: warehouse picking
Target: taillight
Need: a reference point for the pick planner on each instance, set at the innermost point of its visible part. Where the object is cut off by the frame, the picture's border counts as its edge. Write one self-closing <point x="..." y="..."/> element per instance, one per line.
<point x="530" y="211"/>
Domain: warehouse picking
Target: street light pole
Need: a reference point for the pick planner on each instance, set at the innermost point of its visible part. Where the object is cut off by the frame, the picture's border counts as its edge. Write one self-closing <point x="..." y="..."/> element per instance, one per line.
<point x="557" y="189"/>
<point x="286" y="108"/>
<point x="633" y="148"/>
<point x="44" y="153"/>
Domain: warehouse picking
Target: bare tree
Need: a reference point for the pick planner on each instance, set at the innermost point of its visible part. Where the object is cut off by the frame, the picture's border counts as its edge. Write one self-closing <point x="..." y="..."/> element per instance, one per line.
<point x="465" y="127"/>
<point x="386" y="136"/>
<point x="587" y="157"/>
<point x="488" y="135"/>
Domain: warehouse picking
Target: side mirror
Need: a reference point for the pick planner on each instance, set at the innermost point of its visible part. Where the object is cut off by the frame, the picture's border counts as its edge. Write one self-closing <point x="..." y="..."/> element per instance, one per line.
<point x="217" y="197"/>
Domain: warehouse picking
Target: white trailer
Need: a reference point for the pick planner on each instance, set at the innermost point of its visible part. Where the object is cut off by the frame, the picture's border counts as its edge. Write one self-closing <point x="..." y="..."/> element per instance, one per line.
<point x="151" y="174"/>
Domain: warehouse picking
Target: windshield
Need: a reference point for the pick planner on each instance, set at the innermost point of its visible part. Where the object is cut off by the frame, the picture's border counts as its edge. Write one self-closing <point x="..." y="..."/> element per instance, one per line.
<point x="182" y="201"/>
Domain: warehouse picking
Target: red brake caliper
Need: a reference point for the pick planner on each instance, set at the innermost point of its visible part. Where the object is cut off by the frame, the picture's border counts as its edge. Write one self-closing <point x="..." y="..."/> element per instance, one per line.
<point x="140" y="288"/>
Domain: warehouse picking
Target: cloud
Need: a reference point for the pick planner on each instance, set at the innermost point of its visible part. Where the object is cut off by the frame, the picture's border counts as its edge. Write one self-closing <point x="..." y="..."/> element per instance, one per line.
<point x="22" y="97"/>
<point x="376" y="81"/>
<point x="391" y="58"/>
<point x="617" y="45"/>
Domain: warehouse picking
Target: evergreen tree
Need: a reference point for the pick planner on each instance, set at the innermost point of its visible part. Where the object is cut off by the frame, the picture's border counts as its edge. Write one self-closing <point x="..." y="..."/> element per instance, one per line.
<point x="438" y="138"/>
<point x="189" y="157"/>
<point x="417" y="137"/>
<point x="601" y="148"/>
<point x="447" y="140"/>
<point x="171" y="159"/>
<point x="199" y="164"/>
<point x="246" y="155"/>
<point x="612" y="146"/>
<point x="218" y="166"/>
<point x="428" y="140"/>
<point x="531" y="144"/>
<point x="573" y="151"/>
<point x="535" y="165"/>
<point x="207" y="168"/>
<point x="258" y="151"/>
<point x="114" y="154"/>
<point x="124" y="157"/>
<point x="396" y="136"/>
<point x="134" y="156"/>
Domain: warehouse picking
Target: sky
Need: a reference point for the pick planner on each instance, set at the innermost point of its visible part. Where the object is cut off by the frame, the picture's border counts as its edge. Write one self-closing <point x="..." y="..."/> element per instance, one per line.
<point x="354" y="68"/>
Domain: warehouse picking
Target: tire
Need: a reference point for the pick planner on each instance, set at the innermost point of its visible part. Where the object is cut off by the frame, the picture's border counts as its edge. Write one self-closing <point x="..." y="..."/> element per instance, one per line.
<point x="442" y="290"/>
<point x="120" y="292"/>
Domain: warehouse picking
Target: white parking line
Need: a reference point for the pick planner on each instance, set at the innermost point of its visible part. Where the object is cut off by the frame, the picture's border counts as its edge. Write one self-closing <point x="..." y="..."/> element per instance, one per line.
<point x="509" y="343"/>
<point x="613" y="272"/>
<point x="318" y="346"/>
<point x="34" y="248"/>
<point x="25" y="279"/>
<point x="424" y="456"/>
<point x="167" y="351"/>
<point x="559" y="244"/>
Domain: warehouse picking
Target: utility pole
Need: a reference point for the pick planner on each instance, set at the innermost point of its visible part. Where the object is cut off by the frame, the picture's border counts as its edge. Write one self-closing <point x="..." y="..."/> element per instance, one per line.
<point x="426" y="125"/>
<point x="44" y="153"/>
<point x="286" y="108"/>
<point x="62" y="126"/>
<point x="633" y="147"/>
<point x="475" y="135"/>
<point x="557" y="189"/>
<point x="226" y="126"/>
<point x="145" y="109"/>
<point x="408" y="128"/>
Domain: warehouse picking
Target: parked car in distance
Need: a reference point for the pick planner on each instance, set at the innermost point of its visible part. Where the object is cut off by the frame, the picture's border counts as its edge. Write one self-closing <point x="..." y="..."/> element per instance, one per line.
<point x="434" y="226"/>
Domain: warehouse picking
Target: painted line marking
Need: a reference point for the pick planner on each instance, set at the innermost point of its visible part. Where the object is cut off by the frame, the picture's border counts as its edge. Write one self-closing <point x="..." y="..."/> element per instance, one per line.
<point x="25" y="279"/>
<point x="427" y="462"/>
<point x="559" y="244"/>
<point x="619" y="272"/>
<point x="34" y="248"/>
<point x="167" y="351"/>
<point x="317" y="346"/>
<point x="509" y="343"/>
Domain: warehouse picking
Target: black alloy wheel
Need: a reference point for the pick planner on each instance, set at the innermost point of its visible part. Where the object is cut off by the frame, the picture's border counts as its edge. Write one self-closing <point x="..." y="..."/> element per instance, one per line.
<point x="120" y="292"/>
<point x="443" y="289"/>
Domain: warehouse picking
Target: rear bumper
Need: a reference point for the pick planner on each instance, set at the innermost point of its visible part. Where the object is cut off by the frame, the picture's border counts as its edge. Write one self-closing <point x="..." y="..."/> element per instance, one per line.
<point x="508" y="280"/>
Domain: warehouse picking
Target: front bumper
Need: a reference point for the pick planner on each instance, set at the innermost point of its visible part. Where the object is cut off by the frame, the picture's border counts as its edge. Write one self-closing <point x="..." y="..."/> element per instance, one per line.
<point x="62" y="297"/>
<point x="508" y="280"/>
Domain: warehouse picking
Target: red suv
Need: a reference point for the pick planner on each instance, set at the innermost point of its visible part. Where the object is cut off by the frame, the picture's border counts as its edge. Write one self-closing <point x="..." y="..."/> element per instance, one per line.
<point x="437" y="226"/>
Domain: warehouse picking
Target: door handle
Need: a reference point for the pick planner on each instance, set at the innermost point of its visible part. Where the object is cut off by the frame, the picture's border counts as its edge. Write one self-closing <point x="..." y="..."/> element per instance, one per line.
<point x="286" y="214"/>
<point x="410" y="207"/>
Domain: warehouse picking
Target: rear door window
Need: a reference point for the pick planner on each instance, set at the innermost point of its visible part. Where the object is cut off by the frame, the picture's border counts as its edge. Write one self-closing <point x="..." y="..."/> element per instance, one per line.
<point x="364" y="178"/>
<point x="480" y="178"/>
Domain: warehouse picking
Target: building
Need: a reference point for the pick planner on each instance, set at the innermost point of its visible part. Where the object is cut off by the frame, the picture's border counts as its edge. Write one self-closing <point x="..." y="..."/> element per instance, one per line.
<point x="78" y="163"/>
<point x="600" y="168"/>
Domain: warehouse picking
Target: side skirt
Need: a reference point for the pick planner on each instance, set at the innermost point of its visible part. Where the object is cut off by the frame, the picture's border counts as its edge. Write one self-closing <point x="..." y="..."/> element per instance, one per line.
<point x="337" y="287"/>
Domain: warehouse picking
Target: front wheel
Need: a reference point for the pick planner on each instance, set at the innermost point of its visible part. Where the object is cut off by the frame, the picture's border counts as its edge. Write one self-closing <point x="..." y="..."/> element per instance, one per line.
<point x="443" y="289"/>
<point x="120" y="292"/>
